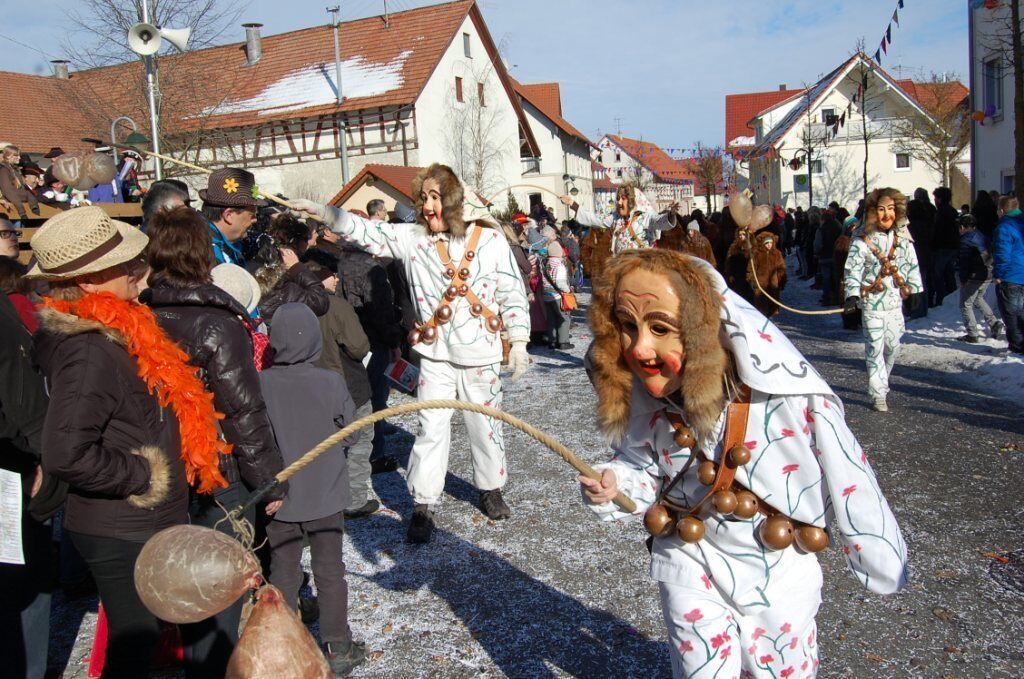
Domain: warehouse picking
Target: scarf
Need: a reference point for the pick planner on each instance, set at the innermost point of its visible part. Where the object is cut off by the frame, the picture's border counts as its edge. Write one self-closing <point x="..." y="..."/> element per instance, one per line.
<point x="164" y="367"/>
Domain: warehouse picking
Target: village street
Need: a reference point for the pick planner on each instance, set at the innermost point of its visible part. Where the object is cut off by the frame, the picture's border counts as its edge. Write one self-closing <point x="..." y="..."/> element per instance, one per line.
<point x="552" y="592"/>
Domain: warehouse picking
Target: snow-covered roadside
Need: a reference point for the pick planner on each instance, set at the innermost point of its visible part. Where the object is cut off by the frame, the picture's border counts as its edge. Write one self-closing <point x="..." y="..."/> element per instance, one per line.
<point x="933" y="342"/>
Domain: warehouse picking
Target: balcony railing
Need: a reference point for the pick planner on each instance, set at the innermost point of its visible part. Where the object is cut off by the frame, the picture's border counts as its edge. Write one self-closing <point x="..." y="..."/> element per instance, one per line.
<point x="879" y="128"/>
<point x="530" y="165"/>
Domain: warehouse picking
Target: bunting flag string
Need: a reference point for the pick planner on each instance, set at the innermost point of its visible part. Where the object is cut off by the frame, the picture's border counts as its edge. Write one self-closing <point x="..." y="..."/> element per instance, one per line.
<point x="883" y="45"/>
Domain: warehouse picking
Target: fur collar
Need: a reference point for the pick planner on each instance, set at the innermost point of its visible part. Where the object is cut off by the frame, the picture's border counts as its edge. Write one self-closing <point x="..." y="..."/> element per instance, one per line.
<point x="60" y="323"/>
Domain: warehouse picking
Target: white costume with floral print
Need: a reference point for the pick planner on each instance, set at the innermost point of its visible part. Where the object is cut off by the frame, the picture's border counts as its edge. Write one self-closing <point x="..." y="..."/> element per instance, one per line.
<point x="882" y="311"/>
<point x="646" y="227"/>
<point x="729" y="603"/>
<point x="464" y="361"/>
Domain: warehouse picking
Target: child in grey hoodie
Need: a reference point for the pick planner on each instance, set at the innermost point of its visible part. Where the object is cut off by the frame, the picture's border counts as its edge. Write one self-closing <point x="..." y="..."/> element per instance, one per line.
<point x="307" y="404"/>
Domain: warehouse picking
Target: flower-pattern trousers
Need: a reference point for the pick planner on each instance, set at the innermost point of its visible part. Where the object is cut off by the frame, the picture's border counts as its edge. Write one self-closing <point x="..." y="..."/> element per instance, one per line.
<point x="428" y="463"/>
<point x="710" y="635"/>
<point x="882" y="333"/>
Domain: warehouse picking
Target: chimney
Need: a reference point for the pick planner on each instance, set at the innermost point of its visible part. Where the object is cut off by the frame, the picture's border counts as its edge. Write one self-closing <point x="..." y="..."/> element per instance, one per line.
<point x="60" y="69"/>
<point x="782" y="87"/>
<point x="253" y="44"/>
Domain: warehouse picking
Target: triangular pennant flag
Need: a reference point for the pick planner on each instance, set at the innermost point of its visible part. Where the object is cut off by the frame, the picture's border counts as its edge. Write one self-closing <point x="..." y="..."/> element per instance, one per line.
<point x="842" y="120"/>
<point x="888" y="34"/>
<point x="878" y="56"/>
<point x="884" y="49"/>
<point x="896" y="16"/>
<point x="900" y="4"/>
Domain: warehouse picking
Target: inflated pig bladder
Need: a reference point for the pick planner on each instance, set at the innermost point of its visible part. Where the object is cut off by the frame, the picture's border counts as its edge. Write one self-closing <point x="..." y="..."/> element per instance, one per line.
<point x="276" y="645"/>
<point x="188" y="573"/>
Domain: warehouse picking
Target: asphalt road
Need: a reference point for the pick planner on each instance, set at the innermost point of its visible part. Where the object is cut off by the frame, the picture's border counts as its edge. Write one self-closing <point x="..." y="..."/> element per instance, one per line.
<point x="554" y="593"/>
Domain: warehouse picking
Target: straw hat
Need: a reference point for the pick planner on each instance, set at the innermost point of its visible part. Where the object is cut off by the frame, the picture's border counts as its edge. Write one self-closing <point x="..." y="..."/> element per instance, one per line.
<point x="83" y="240"/>
<point x="238" y="283"/>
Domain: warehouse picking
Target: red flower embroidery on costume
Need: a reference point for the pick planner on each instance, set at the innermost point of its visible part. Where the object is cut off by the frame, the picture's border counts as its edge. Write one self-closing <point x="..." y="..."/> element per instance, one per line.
<point x="857" y="546"/>
<point x="765" y="336"/>
<point x="725" y="652"/>
<point x="718" y="640"/>
<point x="807" y="415"/>
<point x="788" y="433"/>
<point x="693" y="616"/>
<point x="863" y="456"/>
<point x="793" y="642"/>
<point x="758" y="631"/>
<point x="685" y="646"/>
<point x="803" y="667"/>
<point x="785" y="628"/>
<point x="786" y="672"/>
<point x="766" y="659"/>
<point x="849" y="489"/>
<point x="706" y="580"/>
<point x="790" y="468"/>
<point x="751" y="445"/>
<point x="846" y="549"/>
<point x="752" y="649"/>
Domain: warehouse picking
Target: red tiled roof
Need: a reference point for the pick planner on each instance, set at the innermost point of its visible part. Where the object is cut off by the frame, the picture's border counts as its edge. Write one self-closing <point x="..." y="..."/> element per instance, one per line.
<point x="547" y="98"/>
<point x="215" y="88"/>
<point x="603" y="184"/>
<point x="928" y="95"/>
<point x="741" y="108"/>
<point x="398" y="177"/>
<point x="653" y="158"/>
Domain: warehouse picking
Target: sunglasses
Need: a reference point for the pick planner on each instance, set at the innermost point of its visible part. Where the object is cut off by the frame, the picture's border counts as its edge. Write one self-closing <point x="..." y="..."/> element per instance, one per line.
<point x="14" y="234"/>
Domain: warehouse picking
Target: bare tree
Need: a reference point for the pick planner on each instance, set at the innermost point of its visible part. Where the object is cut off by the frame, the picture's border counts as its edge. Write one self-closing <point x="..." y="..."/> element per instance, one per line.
<point x="1002" y="37"/>
<point x="708" y="170"/>
<point x="870" y="105"/>
<point x="939" y="140"/>
<point x="472" y="134"/>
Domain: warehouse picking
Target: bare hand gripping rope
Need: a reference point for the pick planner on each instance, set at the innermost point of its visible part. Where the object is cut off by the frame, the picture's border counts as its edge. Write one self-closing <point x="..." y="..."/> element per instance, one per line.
<point x="579" y="465"/>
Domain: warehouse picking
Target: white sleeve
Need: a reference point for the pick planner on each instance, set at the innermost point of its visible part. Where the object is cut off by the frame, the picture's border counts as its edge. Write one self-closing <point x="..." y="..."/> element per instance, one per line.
<point x="636" y="470"/>
<point x="591" y="219"/>
<point x="377" y="238"/>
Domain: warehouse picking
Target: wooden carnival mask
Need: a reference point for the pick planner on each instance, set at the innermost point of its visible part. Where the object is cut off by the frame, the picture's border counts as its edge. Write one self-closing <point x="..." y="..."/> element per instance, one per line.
<point x="647" y="311"/>
<point x="885" y="212"/>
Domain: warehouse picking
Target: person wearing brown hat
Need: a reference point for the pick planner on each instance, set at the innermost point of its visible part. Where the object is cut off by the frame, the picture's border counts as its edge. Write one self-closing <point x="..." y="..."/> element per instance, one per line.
<point x="129" y="419"/>
<point x="54" y="153"/>
<point x="229" y="205"/>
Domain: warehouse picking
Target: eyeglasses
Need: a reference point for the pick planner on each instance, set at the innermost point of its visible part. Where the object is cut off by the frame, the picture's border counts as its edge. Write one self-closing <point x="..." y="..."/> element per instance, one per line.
<point x="14" y="234"/>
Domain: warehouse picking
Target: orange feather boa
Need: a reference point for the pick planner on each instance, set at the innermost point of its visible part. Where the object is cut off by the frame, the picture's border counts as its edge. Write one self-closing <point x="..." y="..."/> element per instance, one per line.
<point x="165" y="369"/>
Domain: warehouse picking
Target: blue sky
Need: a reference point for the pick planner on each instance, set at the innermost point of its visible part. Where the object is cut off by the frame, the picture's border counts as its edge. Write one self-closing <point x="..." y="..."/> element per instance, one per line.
<point x="661" y="66"/>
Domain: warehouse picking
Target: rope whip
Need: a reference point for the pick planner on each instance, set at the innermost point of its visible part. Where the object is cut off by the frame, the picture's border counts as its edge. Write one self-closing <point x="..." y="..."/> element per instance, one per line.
<point x="625" y="503"/>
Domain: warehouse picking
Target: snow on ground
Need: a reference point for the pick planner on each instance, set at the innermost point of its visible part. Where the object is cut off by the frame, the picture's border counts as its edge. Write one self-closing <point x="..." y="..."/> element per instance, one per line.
<point x="931" y="342"/>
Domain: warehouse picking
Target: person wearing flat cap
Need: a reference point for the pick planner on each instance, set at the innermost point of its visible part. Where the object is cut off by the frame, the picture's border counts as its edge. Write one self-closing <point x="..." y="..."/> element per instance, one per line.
<point x="124" y="456"/>
<point x="229" y="205"/>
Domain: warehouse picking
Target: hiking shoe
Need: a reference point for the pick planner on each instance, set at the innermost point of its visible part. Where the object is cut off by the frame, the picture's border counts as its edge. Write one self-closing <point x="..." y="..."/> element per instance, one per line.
<point x="342" y="663"/>
<point x="370" y="507"/>
<point x="564" y="346"/>
<point x="383" y="464"/>
<point x="970" y="339"/>
<point x="421" y="525"/>
<point x="309" y="610"/>
<point x="880" y="405"/>
<point x="493" y="506"/>
<point x="997" y="329"/>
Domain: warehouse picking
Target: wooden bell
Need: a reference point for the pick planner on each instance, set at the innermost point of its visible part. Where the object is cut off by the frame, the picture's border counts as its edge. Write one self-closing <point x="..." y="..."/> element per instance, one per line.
<point x="904" y="291"/>
<point x="811" y="539"/>
<point x="476" y="309"/>
<point x="777" y="532"/>
<point x="690" y="529"/>
<point x="428" y="335"/>
<point x="464" y="273"/>
<point x="470" y="255"/>
<point x="724" y="501"/>
<point x="443" y="314"/>
<point x="449" y="273"/>
<point x="463" y="290"/>
<point x="658" y="521"/>
<point x="684" y="438"/>
<point x="450" y="293"/>
<point x="494" y="323"/>
<point x="739" y="455"/>
<point x="746" y="505"/>
<point x="706" y="472"/>
<point x="414" y="337"/>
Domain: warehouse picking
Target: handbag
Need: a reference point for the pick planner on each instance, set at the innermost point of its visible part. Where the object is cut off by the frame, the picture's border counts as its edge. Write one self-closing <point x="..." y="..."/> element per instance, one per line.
<point x="569" y="301"/>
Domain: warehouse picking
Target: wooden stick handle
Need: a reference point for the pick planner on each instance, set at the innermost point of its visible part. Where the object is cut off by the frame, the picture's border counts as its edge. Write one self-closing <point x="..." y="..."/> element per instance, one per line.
<point x="625" y="503"/>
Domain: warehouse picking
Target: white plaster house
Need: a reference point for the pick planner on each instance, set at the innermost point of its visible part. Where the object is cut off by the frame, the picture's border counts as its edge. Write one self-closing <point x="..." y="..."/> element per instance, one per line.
<point x="829" y="117"/>
<point x="993" y="160"/>
<point x="663" y="179"/>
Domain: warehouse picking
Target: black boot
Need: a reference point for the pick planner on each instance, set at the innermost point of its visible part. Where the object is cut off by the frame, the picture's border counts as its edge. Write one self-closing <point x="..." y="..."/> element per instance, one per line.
<point x="343" y="660"/>
<point x="421" y="525"/>
<point x="493" y="506"/>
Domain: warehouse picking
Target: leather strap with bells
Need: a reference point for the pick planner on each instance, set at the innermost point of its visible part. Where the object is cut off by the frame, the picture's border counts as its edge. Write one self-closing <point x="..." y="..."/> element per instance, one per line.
<point x="888" y="268"/>
<point x="459" y="287"/>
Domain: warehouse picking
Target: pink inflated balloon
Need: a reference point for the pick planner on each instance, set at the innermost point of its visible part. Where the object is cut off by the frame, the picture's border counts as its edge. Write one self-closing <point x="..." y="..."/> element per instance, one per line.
<point x="741" y="209"/>
<point x="761" y="217"/>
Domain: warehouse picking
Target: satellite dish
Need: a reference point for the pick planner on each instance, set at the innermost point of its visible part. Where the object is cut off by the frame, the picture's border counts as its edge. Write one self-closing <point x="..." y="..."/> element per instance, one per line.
<point x="146" y="39"/>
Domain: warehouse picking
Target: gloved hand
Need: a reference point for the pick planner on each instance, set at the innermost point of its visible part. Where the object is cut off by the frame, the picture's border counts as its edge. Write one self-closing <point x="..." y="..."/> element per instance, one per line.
<point x="302" y="205"/>
<point x="518" y="360"/>
<point x="851" y="305"/>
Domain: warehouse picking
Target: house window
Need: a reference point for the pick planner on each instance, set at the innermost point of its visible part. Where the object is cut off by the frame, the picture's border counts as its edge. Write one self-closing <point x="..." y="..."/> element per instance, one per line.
<point x="618" y="173"/>
<point x="816" y="166"/>
<point x="618" y="157"/>
<point x="466" y="49"/>
<point x="903" y="162"/>
<point x="828" y="116"/>
<point x="480" y="93"/>
<point x="992" y="85"/>
<point x="458" y="89"/>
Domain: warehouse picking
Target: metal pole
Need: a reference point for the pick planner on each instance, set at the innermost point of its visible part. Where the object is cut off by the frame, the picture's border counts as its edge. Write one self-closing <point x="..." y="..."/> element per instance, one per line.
<point x="342" y="135"/>
<point x="154" y="125"/>
<point x="113" y="139"/>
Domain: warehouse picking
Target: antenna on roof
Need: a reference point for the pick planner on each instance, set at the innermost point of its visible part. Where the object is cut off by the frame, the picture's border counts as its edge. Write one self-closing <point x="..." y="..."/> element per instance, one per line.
<point x="618" y="125"/>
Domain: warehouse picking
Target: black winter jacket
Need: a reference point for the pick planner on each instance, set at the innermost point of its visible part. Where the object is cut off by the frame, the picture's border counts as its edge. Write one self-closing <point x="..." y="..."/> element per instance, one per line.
<point x="947" y="229"/>
<point x="106" y="435"/>
<point x="208" y="324"/>
<point x="345" y="345"/>
<point x="296" y="284"/>
<point x="366" y="286"/>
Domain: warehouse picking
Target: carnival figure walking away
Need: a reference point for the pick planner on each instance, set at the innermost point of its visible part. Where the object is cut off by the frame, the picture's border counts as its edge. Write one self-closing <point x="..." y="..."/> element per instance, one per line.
<point x="745" y="472"/>
<point x="467" y="288"/>
<point x="881" y="271"/>
<point x="631" y="227"/>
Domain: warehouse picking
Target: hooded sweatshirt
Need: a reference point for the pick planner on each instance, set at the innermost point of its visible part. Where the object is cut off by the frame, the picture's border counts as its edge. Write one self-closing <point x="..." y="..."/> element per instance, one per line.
<point x="306" y="405"/>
